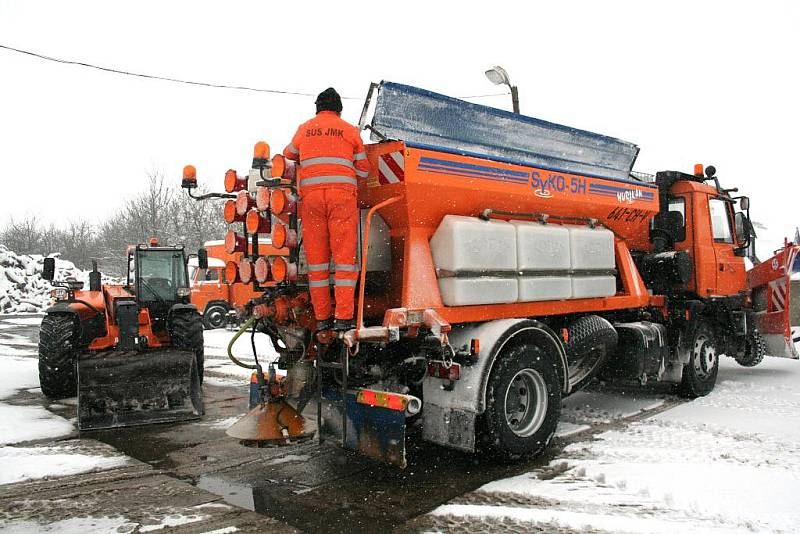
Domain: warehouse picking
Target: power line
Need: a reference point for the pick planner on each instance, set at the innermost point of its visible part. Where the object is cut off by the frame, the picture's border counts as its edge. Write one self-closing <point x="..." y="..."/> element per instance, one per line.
<point x="187" y="82"/>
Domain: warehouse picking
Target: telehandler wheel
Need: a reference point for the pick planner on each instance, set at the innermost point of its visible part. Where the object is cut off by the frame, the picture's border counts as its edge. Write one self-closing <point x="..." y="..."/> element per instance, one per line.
<point x="523" y="402"/>
<point x="58" y="349"/>
<point x="186" y="330"/>
<point x="215" y="316"/>
<point x="754" y="351"/>
<point x="700" y="374"/>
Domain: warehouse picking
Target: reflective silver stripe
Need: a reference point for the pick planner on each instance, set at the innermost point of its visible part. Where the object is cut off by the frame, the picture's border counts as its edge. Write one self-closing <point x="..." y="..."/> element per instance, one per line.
<point x="291" y="148"/>
<point x="329" y="180"/>
<point x="350" y="283"/>
<point x="318" y="266"/>
<point x="362" y="174"/>
<point x="360" y="156"/>
<point x="335" y="161"/>
<point x="318" y="283"/>
<point x="346" y="268"/>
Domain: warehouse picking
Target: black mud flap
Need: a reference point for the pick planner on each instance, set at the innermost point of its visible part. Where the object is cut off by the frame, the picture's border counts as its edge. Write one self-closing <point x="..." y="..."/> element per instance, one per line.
<point x="118" y="388"/>
<point x="376" y="432"/>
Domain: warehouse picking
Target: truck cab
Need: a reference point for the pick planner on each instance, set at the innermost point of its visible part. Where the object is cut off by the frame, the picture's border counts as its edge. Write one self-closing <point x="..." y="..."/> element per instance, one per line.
<point x="210" y="292"/>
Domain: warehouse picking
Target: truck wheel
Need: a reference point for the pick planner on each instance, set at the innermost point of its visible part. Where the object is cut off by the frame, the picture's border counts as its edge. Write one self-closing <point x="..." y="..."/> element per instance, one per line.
<point x="700" y="374"/>
<point x="523" y="402"/>
<point x="187" y="333"/>
<point x="58" y="349"/>
<point x="754" y="351"/>
<point x="215" y="316"/>
<point x="592" y="339"/>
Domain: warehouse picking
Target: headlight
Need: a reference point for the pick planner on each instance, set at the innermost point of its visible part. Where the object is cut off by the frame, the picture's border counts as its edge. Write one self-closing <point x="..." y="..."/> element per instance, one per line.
<point x="184" y="291"/>
<point x="59" y="293"/>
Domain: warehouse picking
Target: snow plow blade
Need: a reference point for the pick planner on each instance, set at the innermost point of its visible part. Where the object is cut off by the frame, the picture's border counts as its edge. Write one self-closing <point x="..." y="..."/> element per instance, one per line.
<point x="118" y="388"/>
<point x="775" y="300"/>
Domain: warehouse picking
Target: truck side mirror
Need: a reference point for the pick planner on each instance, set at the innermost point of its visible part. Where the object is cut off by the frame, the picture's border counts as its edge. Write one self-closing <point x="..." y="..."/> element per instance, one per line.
<point x="202" y="258"/>
<point x="742" y="229"/>
<point x="49" y="269"/>
<point x="744" y="203"/>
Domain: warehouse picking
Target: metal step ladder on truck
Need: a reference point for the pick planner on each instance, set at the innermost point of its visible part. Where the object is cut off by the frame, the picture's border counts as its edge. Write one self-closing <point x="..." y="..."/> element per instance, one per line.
<point x="504" y="262"/>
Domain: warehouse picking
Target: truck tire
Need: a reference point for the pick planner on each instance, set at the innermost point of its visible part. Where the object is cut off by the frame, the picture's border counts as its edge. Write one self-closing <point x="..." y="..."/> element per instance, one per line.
<point x="215" y="316"/>
<point x="523" y="402"/>
<point x="754" y="351"/>
<point x="592" y="340"/>
<point x="58" y="350"/>
<point x="700" y="374"/>
<point x="187" y="333"/>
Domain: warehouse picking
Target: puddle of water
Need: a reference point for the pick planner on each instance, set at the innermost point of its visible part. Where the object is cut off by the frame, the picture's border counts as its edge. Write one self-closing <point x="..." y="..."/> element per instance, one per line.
<point x="240" y="495"/>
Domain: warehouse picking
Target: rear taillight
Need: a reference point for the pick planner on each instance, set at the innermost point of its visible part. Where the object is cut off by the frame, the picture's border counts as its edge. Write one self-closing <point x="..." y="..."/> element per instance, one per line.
<point x="446" y="371"/>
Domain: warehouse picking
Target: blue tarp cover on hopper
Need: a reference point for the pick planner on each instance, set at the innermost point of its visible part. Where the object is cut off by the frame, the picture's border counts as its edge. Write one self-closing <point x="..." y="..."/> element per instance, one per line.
<point x="421" y="117"/>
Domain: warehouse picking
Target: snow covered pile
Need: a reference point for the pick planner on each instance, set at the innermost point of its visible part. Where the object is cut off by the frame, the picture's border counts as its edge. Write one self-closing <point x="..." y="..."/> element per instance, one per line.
<point x="22" y="288"/>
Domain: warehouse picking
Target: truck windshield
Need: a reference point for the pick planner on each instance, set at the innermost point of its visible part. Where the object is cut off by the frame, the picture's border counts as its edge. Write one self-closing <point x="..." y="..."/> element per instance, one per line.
<point x="161" y="273"/>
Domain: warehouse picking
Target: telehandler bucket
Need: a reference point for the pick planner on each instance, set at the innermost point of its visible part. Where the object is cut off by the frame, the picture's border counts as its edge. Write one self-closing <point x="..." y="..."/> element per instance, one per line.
<point x="776" y="299"/>
<point x="118" y="388"/>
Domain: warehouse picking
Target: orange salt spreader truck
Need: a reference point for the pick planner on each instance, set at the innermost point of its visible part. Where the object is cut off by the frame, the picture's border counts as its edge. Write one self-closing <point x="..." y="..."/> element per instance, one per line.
<point x="505" y="262"/>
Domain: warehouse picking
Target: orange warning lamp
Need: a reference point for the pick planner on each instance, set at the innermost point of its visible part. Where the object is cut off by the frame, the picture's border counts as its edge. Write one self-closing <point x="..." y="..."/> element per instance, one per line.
<point x="257" y="223"/>
<point x="262" y="198"/>
<point x="282" y="270"/>
<point x="246" y="271"/>
<point x="262" y="270"/>
<point x="260" y="155"/>
<point x="244" y="202"/>
<point x="278" y="166"/>
<point x="153" y="241"/>
<point x="234" y="242"/>
<point x="234" y="182"/>
<point x="283" y="201"/>
<point x="229" y="211"/>
<point x="232" y="272"/>
<point x="189" y="177"/>
<point x="283" y="237"/>
<point x="698" y="169"/>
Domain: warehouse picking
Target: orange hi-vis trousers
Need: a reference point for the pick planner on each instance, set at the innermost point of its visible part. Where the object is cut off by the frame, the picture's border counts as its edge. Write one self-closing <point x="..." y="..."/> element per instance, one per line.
<point x="330" y="225"/>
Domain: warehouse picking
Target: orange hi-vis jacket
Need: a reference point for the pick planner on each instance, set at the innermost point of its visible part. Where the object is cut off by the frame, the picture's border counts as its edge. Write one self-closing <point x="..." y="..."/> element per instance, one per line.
<point x="332" y="158"/>
<point x="330" y="152"/>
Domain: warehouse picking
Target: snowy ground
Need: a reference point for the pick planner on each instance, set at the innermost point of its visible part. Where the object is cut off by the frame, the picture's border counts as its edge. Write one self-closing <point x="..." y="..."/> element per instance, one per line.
<point x="729" y="462"/>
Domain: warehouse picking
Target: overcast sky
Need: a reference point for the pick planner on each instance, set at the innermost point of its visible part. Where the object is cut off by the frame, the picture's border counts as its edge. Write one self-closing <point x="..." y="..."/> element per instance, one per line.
<point x="709" y="82"/>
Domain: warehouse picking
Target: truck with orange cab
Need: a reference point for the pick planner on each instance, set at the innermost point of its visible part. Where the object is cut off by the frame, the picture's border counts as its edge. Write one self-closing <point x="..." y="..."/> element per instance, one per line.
<point x="214" y="295"/>
<point x="504" y="263"/>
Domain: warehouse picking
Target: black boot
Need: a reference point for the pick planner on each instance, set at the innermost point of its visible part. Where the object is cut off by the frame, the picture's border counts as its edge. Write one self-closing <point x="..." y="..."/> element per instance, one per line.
<point x="327" y="324"/>
<point x="343" y="325"/>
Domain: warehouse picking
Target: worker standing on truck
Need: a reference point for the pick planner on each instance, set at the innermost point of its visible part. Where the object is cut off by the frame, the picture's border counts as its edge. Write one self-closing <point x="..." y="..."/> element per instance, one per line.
<point x="332" y="158"/>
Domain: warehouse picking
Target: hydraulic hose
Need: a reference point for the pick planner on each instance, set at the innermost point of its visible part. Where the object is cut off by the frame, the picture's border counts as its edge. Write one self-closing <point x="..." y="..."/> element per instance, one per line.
<point x="243" y="329"/>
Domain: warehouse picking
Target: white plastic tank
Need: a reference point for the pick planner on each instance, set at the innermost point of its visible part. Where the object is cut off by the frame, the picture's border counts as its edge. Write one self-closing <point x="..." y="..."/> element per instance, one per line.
<point x="584" y="287"/>
<point x="542" y="247"/>
<point x="477" y="290"/>
<point x="538" y="288"/>
<point x="468" y="244"/>
<point x="591" y="248"/>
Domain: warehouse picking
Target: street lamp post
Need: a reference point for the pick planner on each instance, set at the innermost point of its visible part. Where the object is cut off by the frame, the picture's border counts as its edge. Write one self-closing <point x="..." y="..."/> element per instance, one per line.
<point x="498" y="76"/>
